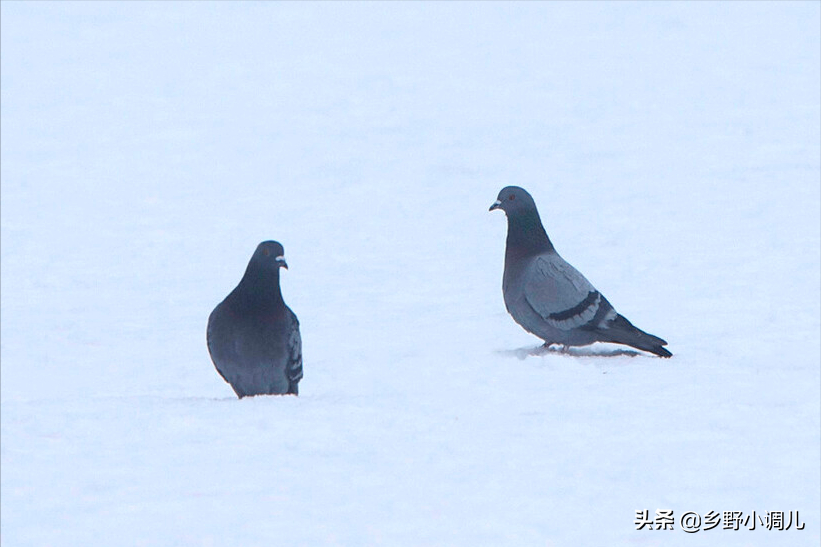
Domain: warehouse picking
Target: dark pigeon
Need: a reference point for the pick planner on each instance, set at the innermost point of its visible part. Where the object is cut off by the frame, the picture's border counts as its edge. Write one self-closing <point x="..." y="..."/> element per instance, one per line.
<point x="253" y="337"/>
<point x="547" y="296"/>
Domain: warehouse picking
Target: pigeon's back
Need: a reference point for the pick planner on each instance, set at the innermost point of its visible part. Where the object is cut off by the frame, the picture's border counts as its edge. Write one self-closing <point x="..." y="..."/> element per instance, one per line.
<point x="552" y="285"/>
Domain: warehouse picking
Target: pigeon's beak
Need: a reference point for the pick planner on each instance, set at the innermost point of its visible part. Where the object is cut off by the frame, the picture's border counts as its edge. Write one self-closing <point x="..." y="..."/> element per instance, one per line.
<point x="281" y="261"/>
<point x="496" y="205"/>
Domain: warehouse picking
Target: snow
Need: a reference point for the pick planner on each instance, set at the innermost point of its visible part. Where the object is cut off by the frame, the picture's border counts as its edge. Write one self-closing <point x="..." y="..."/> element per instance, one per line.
<point x="674" y="150"/>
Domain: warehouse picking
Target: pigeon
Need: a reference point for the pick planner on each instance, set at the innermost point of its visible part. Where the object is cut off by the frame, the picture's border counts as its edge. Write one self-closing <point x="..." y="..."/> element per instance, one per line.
<point x="547" y="296"/>
<point x="253" y="337"/>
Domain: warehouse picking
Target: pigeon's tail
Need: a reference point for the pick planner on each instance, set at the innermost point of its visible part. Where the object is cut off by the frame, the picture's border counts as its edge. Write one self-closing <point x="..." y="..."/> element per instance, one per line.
<point x="622" y="331"/>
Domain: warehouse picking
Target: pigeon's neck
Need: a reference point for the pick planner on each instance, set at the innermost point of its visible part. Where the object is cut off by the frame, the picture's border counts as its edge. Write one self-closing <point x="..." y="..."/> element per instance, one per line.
<point x="526" y="235"/>
<point x="260" y="288"/>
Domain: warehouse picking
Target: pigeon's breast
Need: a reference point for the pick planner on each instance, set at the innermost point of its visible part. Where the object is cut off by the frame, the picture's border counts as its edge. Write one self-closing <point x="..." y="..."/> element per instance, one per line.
<point x="513" y="283"/>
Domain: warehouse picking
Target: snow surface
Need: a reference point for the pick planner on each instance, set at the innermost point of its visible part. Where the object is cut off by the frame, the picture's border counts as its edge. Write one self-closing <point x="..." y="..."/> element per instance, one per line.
<point x="674" y="150"/>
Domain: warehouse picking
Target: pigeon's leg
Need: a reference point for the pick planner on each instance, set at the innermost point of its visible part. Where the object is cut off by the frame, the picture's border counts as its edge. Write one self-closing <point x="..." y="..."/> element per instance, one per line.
<point x="555" y="346"/>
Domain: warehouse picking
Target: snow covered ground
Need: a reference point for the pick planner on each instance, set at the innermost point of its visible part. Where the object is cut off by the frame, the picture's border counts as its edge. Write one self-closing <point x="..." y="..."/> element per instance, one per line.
<point x="674" y="150"/>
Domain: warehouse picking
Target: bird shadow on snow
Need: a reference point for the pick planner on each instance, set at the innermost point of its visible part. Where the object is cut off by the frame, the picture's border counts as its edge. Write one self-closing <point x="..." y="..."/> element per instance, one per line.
<point x="595" y="350"/>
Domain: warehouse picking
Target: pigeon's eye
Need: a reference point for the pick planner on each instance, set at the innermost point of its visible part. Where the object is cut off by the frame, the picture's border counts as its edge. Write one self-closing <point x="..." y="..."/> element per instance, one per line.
<point x="511" y="197"/>
<point x="266" y="252"/>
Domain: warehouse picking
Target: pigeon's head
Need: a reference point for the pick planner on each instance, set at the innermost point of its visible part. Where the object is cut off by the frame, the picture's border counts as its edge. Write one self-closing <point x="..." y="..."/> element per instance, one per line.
<point x="513" y="199"/>
<point x="270" y="255"/>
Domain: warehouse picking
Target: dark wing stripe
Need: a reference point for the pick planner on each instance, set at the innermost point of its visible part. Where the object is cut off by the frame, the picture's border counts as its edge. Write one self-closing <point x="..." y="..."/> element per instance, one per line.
<point x="295" y="374"/>
<point x="578" y="309"/>
<point x="294" y="371"/>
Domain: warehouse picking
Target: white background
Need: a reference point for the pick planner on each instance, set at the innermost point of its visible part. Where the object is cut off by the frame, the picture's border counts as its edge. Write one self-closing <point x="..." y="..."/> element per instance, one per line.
<point x="674" y="150"/>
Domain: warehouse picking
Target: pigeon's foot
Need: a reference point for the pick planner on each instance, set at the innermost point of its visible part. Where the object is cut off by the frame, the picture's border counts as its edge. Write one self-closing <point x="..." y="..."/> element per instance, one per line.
<point x="555" y="347"/>
<point x="593" y="350"/>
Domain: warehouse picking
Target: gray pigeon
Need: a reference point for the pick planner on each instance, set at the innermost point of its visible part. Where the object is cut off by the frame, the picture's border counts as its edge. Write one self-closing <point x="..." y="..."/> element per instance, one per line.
<point x="547" y="296"/>
<point x="253" y="337"/>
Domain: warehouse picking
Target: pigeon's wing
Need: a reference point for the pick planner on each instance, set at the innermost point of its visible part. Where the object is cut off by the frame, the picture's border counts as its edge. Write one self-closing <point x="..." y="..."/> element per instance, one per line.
<point x="220" y="351"/>
<point x="223" y="349"/>
<point x="293" y="368"/>
<point x="562" y="296"/>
